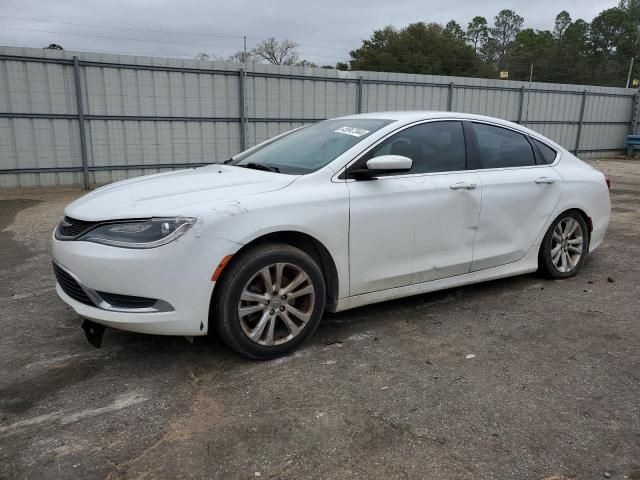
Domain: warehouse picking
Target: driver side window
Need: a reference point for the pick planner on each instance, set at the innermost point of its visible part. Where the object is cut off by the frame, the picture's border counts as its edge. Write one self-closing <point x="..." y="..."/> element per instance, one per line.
<point x="433" y="147"/>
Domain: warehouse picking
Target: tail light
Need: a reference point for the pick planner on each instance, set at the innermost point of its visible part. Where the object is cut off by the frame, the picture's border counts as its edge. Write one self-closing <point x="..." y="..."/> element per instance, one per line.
<point x="607" y="180"/>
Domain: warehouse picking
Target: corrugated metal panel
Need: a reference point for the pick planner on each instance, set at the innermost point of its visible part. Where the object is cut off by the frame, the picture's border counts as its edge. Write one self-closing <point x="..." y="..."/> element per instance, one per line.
<point x="103" y="177"/>
<point x="160" y="87"/>
<point x="289" y="98"/>
<point x="260" y="131"/>
<point x="36" y="88"/>
<point x="115" y="142"/>
<point x="33" y="180"/>
<point x="603" y="136"/>
<point x="111" y="91"/>
<point x="565" y="135"/>
<point x="38" y="143"/>
<point x="608" y="109"/>
<point x="379" y="98"/>
<point x="553" y="106"/>
<point x="495" y="103"/>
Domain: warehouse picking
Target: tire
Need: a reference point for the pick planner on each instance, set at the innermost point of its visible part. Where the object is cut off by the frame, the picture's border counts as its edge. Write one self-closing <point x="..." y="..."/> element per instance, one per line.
<point x="565" y="246"/>
<point x="262" y="323"/>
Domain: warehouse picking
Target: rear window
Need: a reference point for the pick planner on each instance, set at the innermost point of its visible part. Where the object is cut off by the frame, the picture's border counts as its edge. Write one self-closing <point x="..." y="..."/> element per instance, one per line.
<point x="502" y="148"/>
<point x="548" y="153"/>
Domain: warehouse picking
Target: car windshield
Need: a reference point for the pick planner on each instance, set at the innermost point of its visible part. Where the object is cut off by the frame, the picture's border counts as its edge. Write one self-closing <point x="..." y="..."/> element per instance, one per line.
<point x="310" y="148"/>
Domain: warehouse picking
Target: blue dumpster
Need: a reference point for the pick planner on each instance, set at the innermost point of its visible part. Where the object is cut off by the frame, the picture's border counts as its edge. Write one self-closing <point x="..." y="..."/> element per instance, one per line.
<point x="632" y="140"/>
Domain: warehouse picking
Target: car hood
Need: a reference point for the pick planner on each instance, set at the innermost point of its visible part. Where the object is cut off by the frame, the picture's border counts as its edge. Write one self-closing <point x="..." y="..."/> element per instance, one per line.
<point x="173" y="193"/>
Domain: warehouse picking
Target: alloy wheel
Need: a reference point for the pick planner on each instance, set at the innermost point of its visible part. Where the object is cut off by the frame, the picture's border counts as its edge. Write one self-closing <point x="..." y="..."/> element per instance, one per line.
<point x="276" y="304"/>
<point x="567" y="244"/>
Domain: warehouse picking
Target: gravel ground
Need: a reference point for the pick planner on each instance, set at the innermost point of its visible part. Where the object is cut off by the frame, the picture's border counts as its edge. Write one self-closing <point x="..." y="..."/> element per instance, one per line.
<point x="385" y="391"/>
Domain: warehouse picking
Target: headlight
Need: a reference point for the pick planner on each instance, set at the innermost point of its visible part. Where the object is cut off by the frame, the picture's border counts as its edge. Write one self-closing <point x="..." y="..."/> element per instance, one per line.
<point x="140" y="234"/>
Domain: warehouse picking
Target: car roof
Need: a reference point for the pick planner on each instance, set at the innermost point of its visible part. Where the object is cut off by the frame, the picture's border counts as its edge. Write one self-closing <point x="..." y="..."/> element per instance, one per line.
<point x="416" y="115"/>
<point x="410" y="116"/>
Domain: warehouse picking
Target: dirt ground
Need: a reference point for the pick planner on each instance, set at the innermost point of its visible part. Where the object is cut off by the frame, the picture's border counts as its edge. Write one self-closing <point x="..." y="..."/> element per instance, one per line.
<point x="385" y="391"/>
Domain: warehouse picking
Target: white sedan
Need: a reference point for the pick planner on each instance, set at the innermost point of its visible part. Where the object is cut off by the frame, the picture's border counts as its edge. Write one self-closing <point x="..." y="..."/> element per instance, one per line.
<point x="342" y="213"/>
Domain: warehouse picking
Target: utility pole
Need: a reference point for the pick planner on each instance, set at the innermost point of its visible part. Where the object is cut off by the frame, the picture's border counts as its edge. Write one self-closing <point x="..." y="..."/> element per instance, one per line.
<point x="244" y="55"/>
<point x="526" y="116"/>
<point x="243" y="98"/>
<point x="633" y="55"/>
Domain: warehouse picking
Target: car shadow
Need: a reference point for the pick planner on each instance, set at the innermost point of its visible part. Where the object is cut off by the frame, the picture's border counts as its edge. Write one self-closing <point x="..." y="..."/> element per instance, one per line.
<point x="333" y="326"/>
<point x="460" y="294"/>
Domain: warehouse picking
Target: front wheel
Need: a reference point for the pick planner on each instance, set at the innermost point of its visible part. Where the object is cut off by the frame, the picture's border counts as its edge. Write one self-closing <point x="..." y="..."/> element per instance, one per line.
<point x="270" y="300"/>
<point x="565" y="246"/>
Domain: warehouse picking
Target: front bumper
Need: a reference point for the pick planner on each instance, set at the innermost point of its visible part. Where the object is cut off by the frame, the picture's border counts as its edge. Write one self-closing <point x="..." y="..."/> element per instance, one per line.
<point x="178" y="275"/>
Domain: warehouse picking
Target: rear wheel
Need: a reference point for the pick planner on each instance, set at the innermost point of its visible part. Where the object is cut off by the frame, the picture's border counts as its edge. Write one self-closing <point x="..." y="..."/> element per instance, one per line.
<point x="270" y="300"/>
<point x="565" y="246"/>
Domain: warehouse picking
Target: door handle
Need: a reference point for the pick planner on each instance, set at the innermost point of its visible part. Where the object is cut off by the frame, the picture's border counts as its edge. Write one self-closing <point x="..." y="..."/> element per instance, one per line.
<point x="545" y="180"/>
<point x="462" y="186"/>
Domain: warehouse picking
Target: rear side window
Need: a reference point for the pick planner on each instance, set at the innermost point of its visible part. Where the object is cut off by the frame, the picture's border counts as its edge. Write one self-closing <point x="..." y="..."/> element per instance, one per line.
<point x="548" y="154"/>
<point x="433" y="147"/>
<point x="502" y="148"/>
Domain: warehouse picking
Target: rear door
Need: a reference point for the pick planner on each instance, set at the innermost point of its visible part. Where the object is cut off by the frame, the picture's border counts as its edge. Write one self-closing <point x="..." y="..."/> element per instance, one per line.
<point x="520" y="191"/>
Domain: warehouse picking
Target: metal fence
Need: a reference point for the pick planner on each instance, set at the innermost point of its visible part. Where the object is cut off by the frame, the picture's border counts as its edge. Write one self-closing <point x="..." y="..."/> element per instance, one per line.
<point x="88" y="119"/>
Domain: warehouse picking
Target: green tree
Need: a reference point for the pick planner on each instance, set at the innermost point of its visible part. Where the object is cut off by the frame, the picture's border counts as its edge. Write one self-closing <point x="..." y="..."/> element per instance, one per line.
<point x="417" y="48"/>
<point x="611" y="44"/>
<point x="570" y="51"/>
<point x="454" y="30"/>
<point x="507" y="24"/>
<point x="632" y="9"/>
<point x="477" y="32"/>
<point x="563" y="20"/>
<point x="490" y="54"/>
<point x="608" y="30"/>
<point x="532" y="48"/>
<point x="571" y="62"/>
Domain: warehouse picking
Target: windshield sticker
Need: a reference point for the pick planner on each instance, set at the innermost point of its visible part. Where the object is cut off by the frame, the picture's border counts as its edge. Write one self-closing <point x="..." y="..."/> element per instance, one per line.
<point x="354" y="132"/>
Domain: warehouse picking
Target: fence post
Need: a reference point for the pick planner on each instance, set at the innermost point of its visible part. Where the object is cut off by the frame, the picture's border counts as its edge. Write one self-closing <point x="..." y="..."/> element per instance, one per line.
<point x="243" y="115"/>
<point x="580" y="120"/>
<point x="80" y="110"/>
<point x="635" y="113"/>
<point x="359" y="94"/>
<point x="521" y="106"/>
<point x="450" y="97"/>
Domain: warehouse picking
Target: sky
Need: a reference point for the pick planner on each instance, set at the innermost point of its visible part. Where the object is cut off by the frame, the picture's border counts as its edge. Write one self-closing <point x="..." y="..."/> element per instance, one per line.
<point x="325" y="30"/>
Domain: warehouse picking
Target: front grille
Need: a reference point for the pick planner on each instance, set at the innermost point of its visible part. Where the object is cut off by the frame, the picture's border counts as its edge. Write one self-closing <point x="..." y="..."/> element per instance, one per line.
<point x="70" y="286"/>
<point x="71" y="228"/>
<point x="127" y="301"/>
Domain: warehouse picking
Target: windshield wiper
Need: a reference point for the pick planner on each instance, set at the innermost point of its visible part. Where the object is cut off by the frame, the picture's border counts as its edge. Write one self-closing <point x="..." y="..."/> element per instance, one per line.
<point x="227" y="162"/>
<point x="259" y="166"/>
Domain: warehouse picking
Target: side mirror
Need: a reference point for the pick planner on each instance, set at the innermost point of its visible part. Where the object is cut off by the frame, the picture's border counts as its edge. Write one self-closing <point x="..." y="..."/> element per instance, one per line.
<point x="383" y="164"/>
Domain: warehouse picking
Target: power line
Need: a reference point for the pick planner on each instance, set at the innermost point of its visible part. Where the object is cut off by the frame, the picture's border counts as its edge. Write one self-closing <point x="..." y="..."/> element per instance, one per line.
<point x="545" y="49"/>
<point x="174" y="32"/>
<point x="442" y="61"/>
<point x="156" y="54"/>
<point x="170" y="32"/>
<point x="117" y="38"/>
<point x="438" y="59"/>
<point x="170" y="42"/>
<point x="111" y="51"/>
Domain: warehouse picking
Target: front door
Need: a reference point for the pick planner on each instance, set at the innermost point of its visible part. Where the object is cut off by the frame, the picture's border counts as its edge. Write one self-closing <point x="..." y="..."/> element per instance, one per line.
<point x="420" y="225"/>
